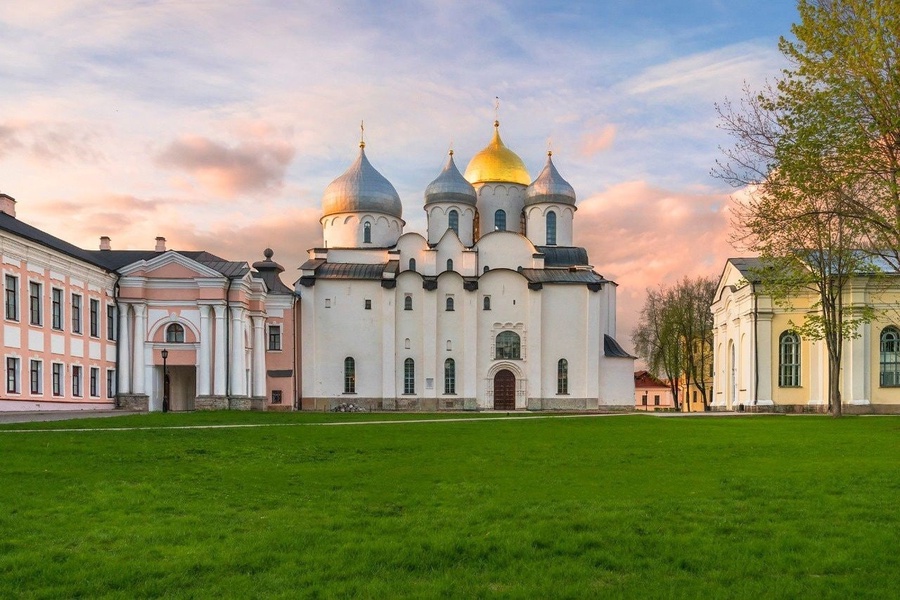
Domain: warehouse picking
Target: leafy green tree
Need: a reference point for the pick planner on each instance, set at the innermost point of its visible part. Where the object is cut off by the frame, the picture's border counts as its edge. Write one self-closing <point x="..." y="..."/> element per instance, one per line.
<point x="816" y="154"/>
<point x="674" y="334"/>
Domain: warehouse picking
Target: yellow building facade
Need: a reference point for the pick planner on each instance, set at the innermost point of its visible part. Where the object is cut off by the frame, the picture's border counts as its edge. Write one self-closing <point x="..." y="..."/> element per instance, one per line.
<point x="761" y="364"/>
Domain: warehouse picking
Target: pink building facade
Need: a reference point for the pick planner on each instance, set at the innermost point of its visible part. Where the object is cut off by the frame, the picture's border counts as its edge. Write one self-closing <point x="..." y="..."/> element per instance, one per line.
<point x="651" y="394"/>
<point x="88" y="329"/>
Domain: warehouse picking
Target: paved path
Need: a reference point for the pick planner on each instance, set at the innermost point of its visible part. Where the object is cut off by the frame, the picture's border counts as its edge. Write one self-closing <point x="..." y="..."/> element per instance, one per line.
<point x="59" y="415"/>
<point x="26" y="417"/>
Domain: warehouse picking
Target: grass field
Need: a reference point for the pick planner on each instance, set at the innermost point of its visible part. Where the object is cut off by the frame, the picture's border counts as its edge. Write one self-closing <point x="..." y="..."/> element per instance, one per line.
<point x="623" y="506"/>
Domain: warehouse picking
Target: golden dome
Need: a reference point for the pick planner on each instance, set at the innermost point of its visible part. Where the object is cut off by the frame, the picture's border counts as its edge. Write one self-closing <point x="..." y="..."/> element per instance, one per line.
<point x="497" y="163"/>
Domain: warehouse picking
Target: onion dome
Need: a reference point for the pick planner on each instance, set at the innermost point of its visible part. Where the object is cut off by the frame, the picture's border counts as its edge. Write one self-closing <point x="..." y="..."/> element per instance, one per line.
<point x="496" y="162"/>
<point x="361" y="189"/>
<point x="450" y="186"/>
<point x="549" y="187"/>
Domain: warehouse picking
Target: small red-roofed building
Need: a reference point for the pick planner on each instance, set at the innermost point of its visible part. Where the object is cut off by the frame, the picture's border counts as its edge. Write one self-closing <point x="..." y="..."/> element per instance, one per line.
<point x="651" y="393"/>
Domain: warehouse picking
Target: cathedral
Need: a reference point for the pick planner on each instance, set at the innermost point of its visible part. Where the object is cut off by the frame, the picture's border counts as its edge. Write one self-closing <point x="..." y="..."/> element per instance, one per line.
<point x="493" y="308"/>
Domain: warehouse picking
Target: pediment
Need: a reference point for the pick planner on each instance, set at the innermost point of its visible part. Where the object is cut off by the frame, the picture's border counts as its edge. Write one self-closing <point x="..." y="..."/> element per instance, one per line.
<point x="169" y="265"/>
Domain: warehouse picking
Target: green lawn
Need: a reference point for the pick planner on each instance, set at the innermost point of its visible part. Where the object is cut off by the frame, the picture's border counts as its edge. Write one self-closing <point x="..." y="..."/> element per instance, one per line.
<point x="623" y="506"/>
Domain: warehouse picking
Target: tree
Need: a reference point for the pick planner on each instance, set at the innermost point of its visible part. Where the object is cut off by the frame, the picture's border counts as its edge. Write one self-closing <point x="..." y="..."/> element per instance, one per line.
<point x="847" y="56"/>
<point x="817" y="154"/>
<point x="674" y="334"/>
<point x="655" y="340"/>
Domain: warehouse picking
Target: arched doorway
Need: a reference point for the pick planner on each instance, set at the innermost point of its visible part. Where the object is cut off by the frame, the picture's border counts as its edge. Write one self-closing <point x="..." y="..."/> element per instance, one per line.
<point x="504" y="390"/>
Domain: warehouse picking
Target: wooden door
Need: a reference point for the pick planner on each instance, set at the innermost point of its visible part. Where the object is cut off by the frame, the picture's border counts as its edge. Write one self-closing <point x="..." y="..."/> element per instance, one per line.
<point x="504" y="390"/>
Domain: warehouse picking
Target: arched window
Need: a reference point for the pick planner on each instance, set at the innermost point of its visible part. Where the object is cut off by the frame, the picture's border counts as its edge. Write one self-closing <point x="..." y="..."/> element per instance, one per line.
<point x="562" y="377"/>
<point x="487" y="303"/>
<point x="450" y="304"/>
<point x="412" y="264"/>
<point x="551" y="228"/>
<point x="789" y="359"/>
<point x="449" y="264"/>
<point x="349" y="375"/>
<point x="890" y="357"/>
<point x="500" y="220"/>
<point x="367" y="233"/>
<point x="453" y="218"/>
<point x="407" y="303"/>
<point x="508" y="345"/>
<point x="449" y="376"/>
<point x="175" y="334"/>
<point x="409" y="376"/>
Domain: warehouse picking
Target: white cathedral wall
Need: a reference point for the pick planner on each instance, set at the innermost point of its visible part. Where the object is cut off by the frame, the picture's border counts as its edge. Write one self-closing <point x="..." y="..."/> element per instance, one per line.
<point x="335" y="325"/>
<point x="439" y="222"/>
<point x="509" y="197"/>
<point x="536" y="223"/>
<point x="346" y="230"/>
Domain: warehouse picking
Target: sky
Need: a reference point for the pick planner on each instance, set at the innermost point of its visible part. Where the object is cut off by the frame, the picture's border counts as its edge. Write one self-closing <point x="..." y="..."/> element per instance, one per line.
<point x="218" y="124"/>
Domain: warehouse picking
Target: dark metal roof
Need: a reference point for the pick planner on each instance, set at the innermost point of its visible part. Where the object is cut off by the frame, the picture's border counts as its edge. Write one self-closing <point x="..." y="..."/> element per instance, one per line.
<point x="563" y="256"/>
<point x="312" y="264"/>
<point x="113" y="260"/>
<point x="580" y="276"/>
<point x="17" y="227"/>
<point x="612" y="348"/>
<point x="350" y="271"/>
<point x="749" y="267"/>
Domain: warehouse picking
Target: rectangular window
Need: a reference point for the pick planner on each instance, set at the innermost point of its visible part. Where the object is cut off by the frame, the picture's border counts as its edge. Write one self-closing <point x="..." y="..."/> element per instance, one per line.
<point x="110" y="383"/>
<point x="12" y="375"/>
<point x="34" y="303"/>
<point x="274" y="337"/>
<point x="76" y="380"/>
<point x="56" y="308"/>
<point x="110" y="322"/>
<point x="644" y="399"/>
<point x="76" y="313"/>
<point x="57" y="379"/>
<point x="95" y="317"/>
<point x="656" y="400"/>
<point x="368" y="304"/>
<point x="12" y="298"/>
<point x="95" y="382"/>
<point x="36" y="370"/>
<point x="276" y="396"/>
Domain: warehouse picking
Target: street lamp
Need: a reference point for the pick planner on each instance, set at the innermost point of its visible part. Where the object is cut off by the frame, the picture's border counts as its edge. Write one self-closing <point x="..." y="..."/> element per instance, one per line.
<point x="165" y="355"/>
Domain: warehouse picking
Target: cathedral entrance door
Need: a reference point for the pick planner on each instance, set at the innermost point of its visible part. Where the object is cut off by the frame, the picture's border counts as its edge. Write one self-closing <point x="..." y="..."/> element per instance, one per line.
<point x="504" y="390"/>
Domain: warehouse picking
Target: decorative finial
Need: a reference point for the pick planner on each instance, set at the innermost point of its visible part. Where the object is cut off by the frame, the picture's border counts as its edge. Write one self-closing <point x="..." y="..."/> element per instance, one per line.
<point x="549" y="147"/>
<point x="268" y="253"/>
<point x="362" y="134"/>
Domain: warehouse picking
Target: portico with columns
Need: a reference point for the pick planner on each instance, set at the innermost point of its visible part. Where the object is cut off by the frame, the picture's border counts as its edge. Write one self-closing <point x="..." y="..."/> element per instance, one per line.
<point x="211" y="319"/>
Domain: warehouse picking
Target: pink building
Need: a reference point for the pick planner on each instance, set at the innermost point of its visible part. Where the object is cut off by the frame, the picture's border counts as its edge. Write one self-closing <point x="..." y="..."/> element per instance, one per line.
<point x="89" y="329"/>
<point x="651" y="394"/>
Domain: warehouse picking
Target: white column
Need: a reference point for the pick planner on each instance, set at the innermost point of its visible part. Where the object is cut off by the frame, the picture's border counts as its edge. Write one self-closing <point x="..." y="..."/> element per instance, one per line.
<point x="203" y="374"/>
<point x="140" y="337"/>
<point x="768" y="364"/>
<point x="238" y="382"/>
<point x="124" y="351"/>
<point x="259" y="357"/>
<point x="219" y="387"/>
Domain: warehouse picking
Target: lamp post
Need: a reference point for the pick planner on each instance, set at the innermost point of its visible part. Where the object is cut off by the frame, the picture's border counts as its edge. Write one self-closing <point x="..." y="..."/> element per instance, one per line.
<point x="165" y="355"/>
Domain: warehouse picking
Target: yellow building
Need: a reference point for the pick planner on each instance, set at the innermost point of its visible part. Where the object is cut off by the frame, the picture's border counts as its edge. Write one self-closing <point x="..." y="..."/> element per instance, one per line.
<point x="761" y="363"/>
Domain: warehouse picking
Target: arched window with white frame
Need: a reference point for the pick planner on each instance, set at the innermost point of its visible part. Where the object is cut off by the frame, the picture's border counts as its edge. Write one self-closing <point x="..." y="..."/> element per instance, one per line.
<point x="789" y="359"/>
<point x="890" y="357"/>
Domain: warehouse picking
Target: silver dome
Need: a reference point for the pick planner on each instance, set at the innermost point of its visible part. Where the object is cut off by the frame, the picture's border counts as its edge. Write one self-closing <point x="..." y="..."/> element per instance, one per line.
<point x="450" y="186"/>
<point x="549" y="187"/>
<point x="361" y="189"/>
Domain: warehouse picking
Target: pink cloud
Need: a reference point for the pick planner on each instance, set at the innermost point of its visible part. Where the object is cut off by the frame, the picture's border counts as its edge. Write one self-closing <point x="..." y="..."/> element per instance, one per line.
<point x="251" y="166"/>
<point x="641" y="236"/>
<point x="594" y="142"/>
<point x="48" y="142"/>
